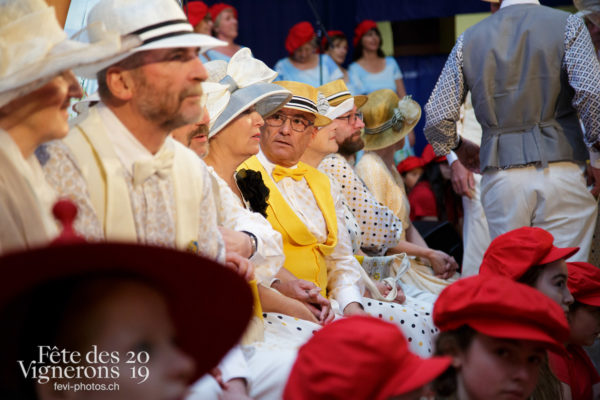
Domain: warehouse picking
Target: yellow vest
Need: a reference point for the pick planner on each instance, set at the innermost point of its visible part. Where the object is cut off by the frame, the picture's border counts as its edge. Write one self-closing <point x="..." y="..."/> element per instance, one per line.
<point x="304" y="255"/>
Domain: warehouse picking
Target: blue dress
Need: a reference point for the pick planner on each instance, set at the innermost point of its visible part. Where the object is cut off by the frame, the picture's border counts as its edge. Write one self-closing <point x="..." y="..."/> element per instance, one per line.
<point x="287" y="72"/>
<point x="363" y="82"/>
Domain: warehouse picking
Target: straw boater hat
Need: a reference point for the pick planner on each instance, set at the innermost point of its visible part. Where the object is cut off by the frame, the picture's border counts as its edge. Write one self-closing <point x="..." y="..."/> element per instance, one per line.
<point x="589" y="9"/>
<point x="304" y="98"/>
<point x="388" y="119"/>
<point x="207" y="322"/>
<point x="336" y="92"/>
<point x="35" y="49"/>
<point x="248" y="83"/>
<point x="159" y="24"/>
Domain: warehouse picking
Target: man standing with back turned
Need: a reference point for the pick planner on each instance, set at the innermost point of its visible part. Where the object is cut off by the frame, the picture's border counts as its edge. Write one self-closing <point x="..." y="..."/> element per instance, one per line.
<point x="531" y="70"/>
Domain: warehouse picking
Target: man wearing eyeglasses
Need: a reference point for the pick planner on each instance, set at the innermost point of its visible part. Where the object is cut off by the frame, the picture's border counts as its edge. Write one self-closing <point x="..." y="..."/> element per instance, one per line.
<point x="302" y="207"/>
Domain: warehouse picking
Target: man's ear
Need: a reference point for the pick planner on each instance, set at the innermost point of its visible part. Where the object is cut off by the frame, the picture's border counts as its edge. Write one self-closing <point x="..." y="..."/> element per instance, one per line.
<point x="120" y="82"/>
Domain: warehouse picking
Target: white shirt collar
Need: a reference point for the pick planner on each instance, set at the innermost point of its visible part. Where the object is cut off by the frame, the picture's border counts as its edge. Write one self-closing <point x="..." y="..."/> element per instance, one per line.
<point x="268" y="165"/>
<point x="128" y="149"/>
<point x="506" y="3"/>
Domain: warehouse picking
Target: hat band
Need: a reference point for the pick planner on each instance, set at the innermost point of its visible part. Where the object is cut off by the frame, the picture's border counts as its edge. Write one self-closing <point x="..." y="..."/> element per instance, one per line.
<point x="338" y="95"/>
<point x="395" y="122"/>
<point x="174" y="27"/>
<point x="230" y="83"/>
<point x="303" y="103"/>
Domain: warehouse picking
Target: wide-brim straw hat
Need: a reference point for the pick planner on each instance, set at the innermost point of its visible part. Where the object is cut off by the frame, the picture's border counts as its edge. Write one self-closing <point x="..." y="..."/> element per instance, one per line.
<point x="35" y="49"/>
<point x="247" y="81"/>
<point x="388" y="119"/>
<point x="588" y="9"/>
<point x="336" y="92"/>
<point x="304" y="98"/>
<point x="209" y="304"/>
<point x="158" y="24"/>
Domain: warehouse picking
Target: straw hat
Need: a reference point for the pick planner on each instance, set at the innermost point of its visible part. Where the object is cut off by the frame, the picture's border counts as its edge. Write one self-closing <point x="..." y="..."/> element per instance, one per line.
<point x="248" y="82"/>
<point x="304" y="98"/>
<point x="388" y="119"/>
<point x="159" y="24"/>
<point x="336" y="92"/>
<point x="34" y="48"/>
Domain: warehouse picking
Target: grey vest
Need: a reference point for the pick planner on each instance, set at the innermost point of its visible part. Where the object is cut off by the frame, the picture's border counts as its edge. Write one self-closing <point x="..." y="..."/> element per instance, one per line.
<point x="521" y="96"/>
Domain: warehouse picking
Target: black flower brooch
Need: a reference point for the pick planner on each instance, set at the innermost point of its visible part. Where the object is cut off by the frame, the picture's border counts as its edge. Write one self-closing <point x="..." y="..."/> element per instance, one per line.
<point x="253" y="189"/>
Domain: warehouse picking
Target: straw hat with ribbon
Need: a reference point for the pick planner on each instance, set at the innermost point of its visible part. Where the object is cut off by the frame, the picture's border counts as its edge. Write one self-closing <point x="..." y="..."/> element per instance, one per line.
<point x="159" y="24"/>
<point x="304" y="98"/>
<point x="247" y="82"/>
<point x="388" y="119"/>
<point x="336" y="92"/>
<point x="34" y="48"/>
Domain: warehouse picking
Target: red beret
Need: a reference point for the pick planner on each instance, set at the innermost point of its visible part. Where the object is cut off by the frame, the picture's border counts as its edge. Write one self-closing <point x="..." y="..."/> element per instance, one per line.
<point x="501" y="308"/>
<point x="362" y="28"/>
<point x="195" y="11"/>
<point x="584" y="283"/>
<point x="410" y="163"/>
<point x="299" y="34"/>
<point x="361" y="358"/>
<point x="331" y="34"/>
<point x="513" y="253"/>
<point x="218" y="8"/>
<point x="428" y="155"/>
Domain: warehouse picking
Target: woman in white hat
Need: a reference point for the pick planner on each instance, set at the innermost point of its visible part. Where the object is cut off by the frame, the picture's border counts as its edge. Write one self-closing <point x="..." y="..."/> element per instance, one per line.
<point x="36" y="85"/>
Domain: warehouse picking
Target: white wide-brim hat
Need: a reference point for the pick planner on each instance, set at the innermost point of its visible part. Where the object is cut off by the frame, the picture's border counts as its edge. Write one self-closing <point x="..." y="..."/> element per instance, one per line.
<point x="34" y="48"/>
<point x="332" y="112"/>
<point x="248" y="83"/>
<point x="159" y="24"/>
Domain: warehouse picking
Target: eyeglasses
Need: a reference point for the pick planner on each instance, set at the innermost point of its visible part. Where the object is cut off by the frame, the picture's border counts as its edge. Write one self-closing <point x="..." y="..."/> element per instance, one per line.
<point x="351" y="119"/>
<point x="298" y="124"/>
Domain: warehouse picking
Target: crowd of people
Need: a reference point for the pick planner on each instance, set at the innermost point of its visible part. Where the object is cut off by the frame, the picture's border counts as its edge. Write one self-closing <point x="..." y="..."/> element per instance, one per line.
<point x="242" y="232"/>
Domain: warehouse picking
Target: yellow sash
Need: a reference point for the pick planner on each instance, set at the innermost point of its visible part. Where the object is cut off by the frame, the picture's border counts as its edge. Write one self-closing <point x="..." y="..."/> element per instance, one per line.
<point x="304" y="256"/>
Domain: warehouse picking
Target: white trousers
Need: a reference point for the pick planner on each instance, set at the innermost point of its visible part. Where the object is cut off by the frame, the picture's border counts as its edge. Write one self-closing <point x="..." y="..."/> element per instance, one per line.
<point x="476" y="234"/>
<point x="554" y="198"/>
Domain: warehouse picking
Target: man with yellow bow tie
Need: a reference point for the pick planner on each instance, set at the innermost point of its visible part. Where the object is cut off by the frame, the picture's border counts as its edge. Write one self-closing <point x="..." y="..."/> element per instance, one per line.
<point x="302" y="207"/>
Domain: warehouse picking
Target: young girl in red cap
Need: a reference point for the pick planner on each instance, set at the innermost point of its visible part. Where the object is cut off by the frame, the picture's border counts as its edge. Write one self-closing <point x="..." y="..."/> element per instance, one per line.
<point x="574" y="367"/>
<point x="497" y="332"/>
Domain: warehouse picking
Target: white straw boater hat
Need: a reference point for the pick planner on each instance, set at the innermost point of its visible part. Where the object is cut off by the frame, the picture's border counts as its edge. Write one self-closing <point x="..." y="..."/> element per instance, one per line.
<point x="304" y="98"/>
<point x="247" y="82"/>
<point x="34" y="48"/>
<point x="159" y="24"/>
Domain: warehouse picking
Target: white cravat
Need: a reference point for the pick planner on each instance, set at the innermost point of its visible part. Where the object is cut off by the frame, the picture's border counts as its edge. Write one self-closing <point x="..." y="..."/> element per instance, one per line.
<point x="161" y="165"/>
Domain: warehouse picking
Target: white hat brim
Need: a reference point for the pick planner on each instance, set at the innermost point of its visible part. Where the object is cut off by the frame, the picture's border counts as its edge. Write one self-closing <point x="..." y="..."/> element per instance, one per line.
<point x="204" y="42"/>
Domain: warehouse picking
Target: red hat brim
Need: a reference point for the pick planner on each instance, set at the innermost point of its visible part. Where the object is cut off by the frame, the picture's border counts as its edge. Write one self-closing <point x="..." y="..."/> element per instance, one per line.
<point x="558" y="253"/>
<point x="507" y="329"/>
<point x="415" y="373"/>
<point x="200" y="293"/>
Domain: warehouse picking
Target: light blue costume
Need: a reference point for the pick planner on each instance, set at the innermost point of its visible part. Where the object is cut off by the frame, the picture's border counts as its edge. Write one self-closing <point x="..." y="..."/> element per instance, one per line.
<point x="363" y="82"/>
<point x="287" y="72"/>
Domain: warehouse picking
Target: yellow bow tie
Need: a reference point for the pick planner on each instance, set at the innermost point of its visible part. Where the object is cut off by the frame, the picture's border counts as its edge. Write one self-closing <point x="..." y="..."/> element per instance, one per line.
<point x="296" y="174"/>
<point x="160" y="165"/>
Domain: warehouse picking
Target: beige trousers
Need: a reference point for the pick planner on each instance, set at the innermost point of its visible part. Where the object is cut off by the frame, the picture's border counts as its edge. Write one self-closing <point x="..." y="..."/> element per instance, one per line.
<point x="554" y="198"/>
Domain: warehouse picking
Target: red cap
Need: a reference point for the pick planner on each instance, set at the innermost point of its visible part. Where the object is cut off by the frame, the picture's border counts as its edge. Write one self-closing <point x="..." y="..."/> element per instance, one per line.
<point x="360" y="358"/>
<point x="513" y="253"/>
<point x="584" y="283"/>
<point x="218" y="8"/>
<point x="410" y="163"/>
<point x="362" y="28"/>
<point x="428" y="155"/>
<point x="299" y="34"/>
<point x="331" y="34"/>
<point x="195" y="11"/>
<point x="501" y="308"/>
